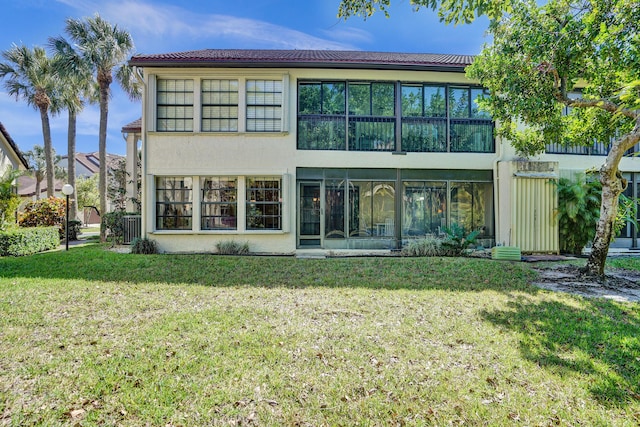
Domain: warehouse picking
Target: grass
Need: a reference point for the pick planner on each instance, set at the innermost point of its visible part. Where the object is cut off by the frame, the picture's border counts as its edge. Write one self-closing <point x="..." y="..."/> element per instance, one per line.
<point x="93" y="337"/>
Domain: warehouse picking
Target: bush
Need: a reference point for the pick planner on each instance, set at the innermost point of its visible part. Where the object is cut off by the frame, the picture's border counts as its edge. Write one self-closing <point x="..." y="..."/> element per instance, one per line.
<point x="74" y="229"/>
<point x="143" y="246"/>
<point x="51" y="212"/>
<point x="428" y="246"/>
<point x="27" y="241"/>
<point x="578" y="212"/>
<point x="44" y="213"/>
<point x="457" y="240"/>
<point x="231" y="247"/>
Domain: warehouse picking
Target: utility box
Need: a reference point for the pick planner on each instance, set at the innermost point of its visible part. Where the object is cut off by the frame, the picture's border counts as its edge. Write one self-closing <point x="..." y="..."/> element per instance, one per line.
<point x="506" y="253"/>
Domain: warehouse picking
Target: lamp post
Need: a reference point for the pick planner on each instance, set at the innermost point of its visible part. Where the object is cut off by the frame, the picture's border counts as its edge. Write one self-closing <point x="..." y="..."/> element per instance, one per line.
<point x="67" y="190"/>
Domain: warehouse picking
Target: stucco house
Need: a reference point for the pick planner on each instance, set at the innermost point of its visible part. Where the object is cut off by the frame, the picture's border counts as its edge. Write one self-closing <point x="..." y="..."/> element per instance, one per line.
<point x="300" y="149"/>
<point x="10" y="154"/>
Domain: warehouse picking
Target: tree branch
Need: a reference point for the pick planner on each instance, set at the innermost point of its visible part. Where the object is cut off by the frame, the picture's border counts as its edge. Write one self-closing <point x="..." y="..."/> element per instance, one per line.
<point x="603" y="104"/>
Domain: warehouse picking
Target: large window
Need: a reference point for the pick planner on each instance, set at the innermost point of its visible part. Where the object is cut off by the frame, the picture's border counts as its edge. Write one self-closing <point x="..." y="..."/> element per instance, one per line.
<point x="471" y="130"/>
<point x="371" y="116"/>
<point x="264" y="105"/>
<point x="425" y="208"/>
<point x="263" y="203"/>
<point x="219" y="105"/>
<point x="218" y="203"/>
<point x="472" y="206"/>
<point x="322" y="106"/>
<point x="174" y="203"/>
<point x="371" y="209"/>
<point x="432" y="117"/>
<point x="424" y="118"/>
<point x="174" y="105"/>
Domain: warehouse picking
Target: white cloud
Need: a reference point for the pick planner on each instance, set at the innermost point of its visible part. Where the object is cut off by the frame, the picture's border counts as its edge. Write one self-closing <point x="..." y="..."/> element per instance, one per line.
<point x="153" y="23"/>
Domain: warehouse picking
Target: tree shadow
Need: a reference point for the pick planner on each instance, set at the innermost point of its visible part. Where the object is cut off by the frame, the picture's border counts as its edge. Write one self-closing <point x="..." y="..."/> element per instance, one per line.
<point x="594" y="337"/>
<point x="95" y="263"/>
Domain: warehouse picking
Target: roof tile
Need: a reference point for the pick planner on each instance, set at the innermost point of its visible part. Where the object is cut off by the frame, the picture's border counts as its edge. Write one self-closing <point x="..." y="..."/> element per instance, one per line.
<point x="302" y="58"/>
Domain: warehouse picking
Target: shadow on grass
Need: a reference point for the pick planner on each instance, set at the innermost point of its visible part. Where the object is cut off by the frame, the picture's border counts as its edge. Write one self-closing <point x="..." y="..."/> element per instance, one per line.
<point x="595" y="337"/>
<point x="95" y="263"/>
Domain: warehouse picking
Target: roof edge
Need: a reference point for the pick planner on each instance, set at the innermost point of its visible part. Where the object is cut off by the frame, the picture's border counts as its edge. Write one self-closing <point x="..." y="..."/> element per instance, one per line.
<point x="14" y="146"/>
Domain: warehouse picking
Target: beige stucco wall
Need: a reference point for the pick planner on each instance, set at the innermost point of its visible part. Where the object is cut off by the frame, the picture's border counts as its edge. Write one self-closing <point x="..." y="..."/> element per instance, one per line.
<point x="259" y="154"/>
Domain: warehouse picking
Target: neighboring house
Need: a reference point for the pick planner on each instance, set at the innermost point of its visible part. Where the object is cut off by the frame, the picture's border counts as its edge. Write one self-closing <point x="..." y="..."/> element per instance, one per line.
<point x="88" y="164"/>
<point x="10" y="155"/>
<point x="334" y="150"/>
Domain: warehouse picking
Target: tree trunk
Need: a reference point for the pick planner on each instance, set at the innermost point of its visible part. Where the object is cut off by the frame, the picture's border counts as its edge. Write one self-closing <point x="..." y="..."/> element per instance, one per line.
<point x="71" y="163"/>
<point x="48" y="150"/>
<point x="102" y="155"/>
<point x="613" y="184"/>
<point x="38" y="181"/>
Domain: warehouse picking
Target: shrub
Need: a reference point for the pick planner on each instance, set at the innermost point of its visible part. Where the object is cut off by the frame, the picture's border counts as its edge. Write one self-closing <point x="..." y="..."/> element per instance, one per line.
<point x="578" y="212"/>
<point x="143" y="246"/>
<point x="27" y="241"/>
<point x="74" y="229"/>
<point x="428" y="246"/>
<point x="457" y="240"/>
<point x="44" y="213"/>
<point x="231" y="247"/>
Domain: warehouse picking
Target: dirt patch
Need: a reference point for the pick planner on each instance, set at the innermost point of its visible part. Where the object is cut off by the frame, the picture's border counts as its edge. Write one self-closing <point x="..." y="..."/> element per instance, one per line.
<point x="619" y="285"/>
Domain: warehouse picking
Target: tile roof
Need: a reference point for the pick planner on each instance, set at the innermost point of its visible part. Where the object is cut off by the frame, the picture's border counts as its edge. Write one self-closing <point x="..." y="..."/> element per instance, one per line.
<point x="14" y="146"/>
<point x="304" y="59"/>
<point x="134" y="126"/>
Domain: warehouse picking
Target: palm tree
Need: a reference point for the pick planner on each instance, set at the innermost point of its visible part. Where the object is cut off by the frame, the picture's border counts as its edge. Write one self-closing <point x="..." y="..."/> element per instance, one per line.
<point x="79" y="86"/>
<point x="104" y="48"/>
<point x="38" y="166"/>
<point x="30" y="76"/>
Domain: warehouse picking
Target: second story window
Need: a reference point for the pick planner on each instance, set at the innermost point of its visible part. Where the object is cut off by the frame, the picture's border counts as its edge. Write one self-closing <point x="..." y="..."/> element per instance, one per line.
<point x="174" y="105"/>
<point x="321" y="107"/>
<point x="371" y="116"/>
<point x="424" y="118"/>
<point x="264" y="105"/>
<point x="219" y="105"/>
<point x="471" y="130"/>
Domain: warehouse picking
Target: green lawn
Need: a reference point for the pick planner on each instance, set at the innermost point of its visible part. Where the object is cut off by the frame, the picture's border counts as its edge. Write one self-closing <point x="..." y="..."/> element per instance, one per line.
<point x="93" y="337"/>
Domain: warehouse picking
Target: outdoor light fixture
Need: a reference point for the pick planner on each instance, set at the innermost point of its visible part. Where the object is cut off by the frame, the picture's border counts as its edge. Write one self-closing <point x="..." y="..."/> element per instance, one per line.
<point x="67" y="190"/>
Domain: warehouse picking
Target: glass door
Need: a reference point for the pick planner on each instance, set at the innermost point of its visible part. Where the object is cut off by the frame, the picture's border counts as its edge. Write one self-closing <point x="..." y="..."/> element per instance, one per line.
<point x="309" y="214"/>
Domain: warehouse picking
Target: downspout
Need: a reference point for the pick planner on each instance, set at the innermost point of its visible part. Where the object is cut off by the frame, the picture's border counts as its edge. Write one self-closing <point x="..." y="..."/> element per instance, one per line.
<point x="496" y="189"/>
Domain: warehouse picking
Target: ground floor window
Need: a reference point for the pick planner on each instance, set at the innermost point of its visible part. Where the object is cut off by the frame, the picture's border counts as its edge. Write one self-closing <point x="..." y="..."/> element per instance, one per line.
<point x="174" y="203"/>
<point x="223" y="203"/>
<point x="382" y="208"/>
<point x="264" y="203"/>
<point x="218" y="203"/>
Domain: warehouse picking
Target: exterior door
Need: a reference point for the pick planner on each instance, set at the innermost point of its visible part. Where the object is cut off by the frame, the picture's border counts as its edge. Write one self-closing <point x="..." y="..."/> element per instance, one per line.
<point x="309" y="214"/>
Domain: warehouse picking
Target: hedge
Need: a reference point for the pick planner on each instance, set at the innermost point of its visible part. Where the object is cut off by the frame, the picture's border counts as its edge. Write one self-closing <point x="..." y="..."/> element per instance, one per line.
<point x="28" y="240"/>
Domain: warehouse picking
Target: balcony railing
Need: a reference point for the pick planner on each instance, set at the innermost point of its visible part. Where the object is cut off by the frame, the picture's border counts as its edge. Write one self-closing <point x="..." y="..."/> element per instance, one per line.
<point x="424" y="135"/>
<point x="597" y="149"/>
<point x="471" y="136"/>
<point x="321" y="132"/>
<point x="372" y="134"/>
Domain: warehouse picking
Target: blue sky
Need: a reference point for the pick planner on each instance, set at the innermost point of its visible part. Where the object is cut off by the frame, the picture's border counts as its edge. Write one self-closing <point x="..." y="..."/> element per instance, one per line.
<point x="177" y="25"/>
